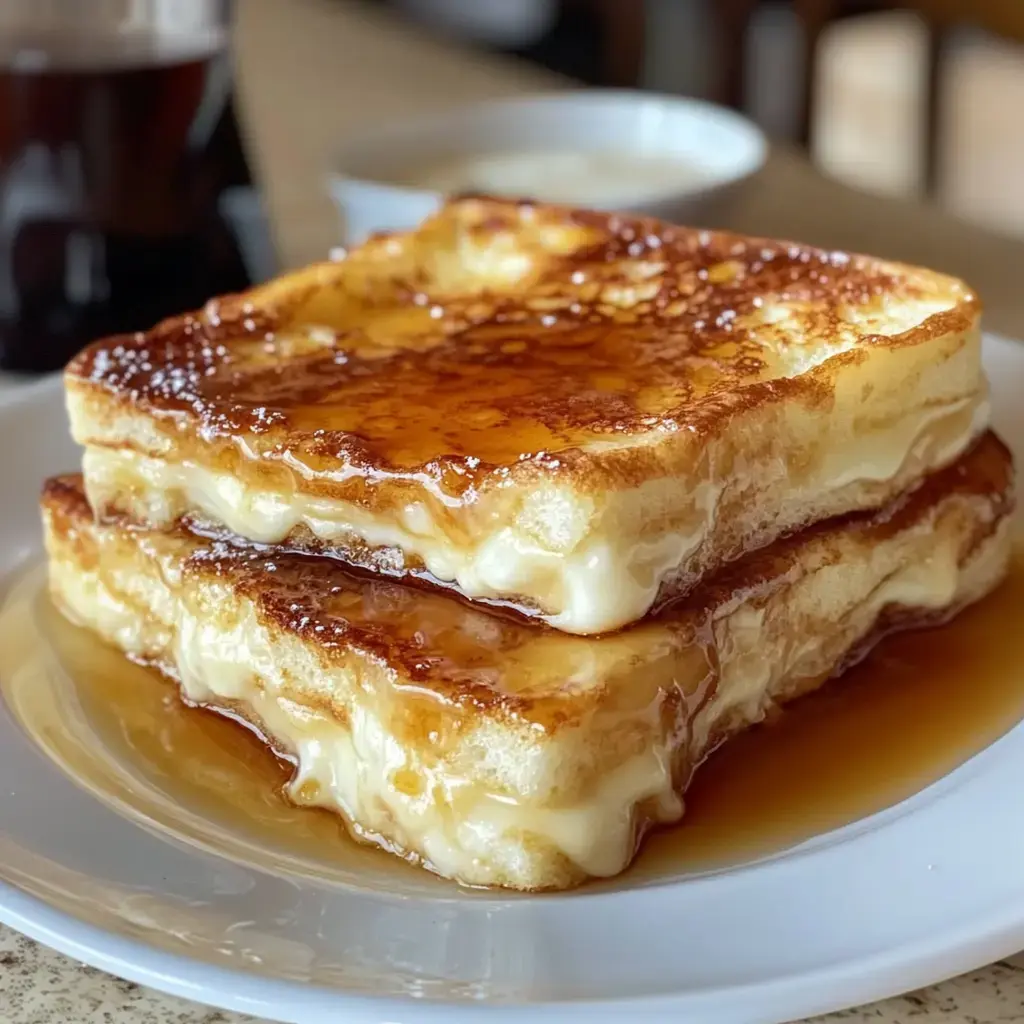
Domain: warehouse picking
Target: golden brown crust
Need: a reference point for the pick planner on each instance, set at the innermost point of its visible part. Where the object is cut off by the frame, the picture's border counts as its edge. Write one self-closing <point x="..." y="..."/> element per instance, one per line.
<point x="502" y="340"/>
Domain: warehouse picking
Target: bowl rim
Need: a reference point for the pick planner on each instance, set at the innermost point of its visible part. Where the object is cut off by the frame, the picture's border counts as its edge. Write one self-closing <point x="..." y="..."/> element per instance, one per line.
<point x="349" y="165"/>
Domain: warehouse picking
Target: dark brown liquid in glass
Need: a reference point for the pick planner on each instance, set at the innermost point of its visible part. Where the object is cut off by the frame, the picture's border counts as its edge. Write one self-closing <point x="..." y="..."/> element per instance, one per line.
<point x="108" y="189"/>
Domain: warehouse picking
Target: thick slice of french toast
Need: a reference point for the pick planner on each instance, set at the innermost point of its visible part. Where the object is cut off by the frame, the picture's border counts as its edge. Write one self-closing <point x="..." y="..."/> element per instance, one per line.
<point x="579" y="414"/>
<point x="497" y="751"/>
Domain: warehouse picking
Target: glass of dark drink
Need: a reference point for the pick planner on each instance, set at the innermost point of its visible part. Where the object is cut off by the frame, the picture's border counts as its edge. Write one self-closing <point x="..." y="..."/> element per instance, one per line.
<point x="108" y="197"/>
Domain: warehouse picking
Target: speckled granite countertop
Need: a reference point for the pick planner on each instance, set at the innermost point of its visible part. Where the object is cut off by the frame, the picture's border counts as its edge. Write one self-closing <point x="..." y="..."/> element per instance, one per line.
<point x="38" y="986"/>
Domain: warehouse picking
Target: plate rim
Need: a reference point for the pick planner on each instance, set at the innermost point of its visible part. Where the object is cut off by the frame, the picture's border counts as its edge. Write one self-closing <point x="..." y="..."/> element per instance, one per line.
<point x="977" y="941"/>
<point x="793" y="996"/>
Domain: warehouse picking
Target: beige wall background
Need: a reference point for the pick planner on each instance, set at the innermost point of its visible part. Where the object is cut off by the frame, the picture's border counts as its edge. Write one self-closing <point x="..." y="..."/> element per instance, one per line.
<point x="870" y="91"/>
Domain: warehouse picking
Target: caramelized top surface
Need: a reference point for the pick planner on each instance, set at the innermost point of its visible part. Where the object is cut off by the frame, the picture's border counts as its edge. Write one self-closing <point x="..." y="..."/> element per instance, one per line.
<point x="452" y="647"/>
<point x="501" y="332"/>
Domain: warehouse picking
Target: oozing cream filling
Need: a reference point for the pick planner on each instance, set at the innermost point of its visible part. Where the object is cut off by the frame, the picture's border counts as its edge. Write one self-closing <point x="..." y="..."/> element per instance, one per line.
<point x="602" y="583"/>
<point x="461" y="826"/>
<point x="607" y="579"/>
<point x="457" y="825"/>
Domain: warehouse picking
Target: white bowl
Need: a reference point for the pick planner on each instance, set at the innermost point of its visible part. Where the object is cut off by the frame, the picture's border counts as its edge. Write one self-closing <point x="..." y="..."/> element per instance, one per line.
<point x="715" y="147"/>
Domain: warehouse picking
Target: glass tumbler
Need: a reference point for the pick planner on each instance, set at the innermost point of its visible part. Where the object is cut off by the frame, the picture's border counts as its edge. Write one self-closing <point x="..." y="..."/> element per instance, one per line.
<point x="108" y="216"/>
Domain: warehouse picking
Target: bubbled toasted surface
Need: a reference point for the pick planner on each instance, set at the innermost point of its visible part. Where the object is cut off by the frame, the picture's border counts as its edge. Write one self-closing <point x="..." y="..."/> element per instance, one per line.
<point x="504" y="333"/>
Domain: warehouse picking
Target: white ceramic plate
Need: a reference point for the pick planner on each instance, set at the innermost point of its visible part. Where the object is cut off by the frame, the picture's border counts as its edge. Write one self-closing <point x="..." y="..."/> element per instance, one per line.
<point x="927" y="889"/>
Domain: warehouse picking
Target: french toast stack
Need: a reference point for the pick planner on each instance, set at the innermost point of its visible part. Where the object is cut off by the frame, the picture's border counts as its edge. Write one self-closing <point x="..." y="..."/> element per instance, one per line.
<point x="497" y="528"/>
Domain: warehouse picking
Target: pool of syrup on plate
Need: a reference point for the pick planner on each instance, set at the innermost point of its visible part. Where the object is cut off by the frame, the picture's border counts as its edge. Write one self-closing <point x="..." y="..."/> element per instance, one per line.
<point x="920" y="705"/>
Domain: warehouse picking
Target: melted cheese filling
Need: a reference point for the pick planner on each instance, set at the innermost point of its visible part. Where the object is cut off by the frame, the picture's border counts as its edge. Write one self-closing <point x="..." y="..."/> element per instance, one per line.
<point x="457" y="824"/>
<point x="457" y="827"/>
<point x="604" y="580"/>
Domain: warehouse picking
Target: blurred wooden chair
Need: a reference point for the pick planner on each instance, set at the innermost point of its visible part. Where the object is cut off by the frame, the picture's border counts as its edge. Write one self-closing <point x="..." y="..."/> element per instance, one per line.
<point x="1001" y="17"/>
<point x="600" y="42"/>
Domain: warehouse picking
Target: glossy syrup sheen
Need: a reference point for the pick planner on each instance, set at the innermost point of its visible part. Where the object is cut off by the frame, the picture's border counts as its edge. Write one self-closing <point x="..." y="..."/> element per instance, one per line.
<point x="919" y="706"/>
<point x="501" y="331"/>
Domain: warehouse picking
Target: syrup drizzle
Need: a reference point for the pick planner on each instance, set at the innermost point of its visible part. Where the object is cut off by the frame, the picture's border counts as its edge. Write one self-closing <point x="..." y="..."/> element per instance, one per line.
<point x="918" y="707"/>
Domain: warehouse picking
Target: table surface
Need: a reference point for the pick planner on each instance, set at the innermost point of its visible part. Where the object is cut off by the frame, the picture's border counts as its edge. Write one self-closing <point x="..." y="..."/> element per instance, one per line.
<point x="311" y="71"/>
